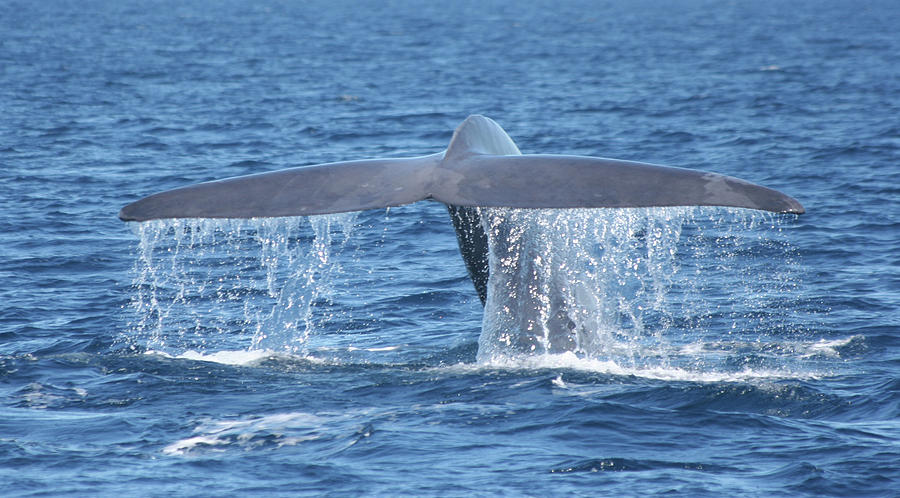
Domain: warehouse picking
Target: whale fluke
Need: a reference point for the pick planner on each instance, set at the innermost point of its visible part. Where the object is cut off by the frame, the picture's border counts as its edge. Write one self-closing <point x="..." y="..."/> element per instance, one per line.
<point x="482" y="167"/>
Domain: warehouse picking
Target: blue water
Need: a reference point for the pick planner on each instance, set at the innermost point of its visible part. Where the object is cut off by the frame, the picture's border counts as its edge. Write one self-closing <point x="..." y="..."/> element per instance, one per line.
<point x="733" y="353"/>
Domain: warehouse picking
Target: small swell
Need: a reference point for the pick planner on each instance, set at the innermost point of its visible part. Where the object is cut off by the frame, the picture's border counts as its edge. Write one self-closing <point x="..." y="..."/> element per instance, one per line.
<point x="632" y="465"/>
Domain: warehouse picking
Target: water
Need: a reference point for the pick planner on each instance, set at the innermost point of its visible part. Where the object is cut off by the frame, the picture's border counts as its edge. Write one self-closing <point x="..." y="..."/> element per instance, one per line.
<point x="719" y="352"/>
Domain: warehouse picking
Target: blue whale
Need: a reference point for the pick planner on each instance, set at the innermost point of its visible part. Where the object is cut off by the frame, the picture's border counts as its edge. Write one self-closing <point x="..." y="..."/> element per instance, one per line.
<point x="482" y="167"/>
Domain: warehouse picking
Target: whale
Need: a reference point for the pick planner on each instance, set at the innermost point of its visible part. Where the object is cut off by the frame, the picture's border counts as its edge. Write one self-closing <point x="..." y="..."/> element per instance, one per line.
<point x="480" y="168"/>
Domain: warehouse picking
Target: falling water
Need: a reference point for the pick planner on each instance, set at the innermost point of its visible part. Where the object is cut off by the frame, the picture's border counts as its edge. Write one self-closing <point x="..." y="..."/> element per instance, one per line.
<point x="678" y="287"/>
<point x="701" y="289"/>
<point x="192" y="275"/>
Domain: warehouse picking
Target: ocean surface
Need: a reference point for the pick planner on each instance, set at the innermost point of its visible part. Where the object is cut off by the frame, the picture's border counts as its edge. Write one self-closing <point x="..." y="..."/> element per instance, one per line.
<point x="726" y="353"/>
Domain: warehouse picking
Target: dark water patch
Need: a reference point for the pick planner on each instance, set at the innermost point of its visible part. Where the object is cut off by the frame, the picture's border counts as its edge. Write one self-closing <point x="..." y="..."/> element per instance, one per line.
<point x="673" y="136"/>
<point x="156" y="146"/>
<point x="251" y="165"/>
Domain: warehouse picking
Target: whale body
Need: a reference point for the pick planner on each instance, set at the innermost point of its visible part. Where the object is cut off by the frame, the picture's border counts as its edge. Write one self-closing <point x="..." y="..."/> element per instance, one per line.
<point x="481" y="168"/>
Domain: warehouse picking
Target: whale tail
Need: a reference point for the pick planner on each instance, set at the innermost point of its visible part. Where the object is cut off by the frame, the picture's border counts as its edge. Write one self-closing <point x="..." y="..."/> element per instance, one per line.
<point x="482" y="167"/>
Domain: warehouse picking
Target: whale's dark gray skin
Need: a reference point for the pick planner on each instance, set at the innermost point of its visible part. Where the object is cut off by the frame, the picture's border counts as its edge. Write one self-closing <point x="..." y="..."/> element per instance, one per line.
<point x="482" y="167"/>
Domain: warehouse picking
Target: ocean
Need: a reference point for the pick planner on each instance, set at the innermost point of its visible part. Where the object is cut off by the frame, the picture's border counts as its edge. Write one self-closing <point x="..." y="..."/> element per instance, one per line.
<point x="727" y="352"/>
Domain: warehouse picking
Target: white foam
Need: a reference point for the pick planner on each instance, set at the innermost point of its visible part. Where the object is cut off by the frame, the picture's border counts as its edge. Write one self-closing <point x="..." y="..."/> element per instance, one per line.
<point x="41" y="396"/>
<point x="374" y="350"/>
<point x="827" y="348"/>
<point x="238" y="358"/>
<point x="228" y="357"/>
<point x="664" y="367"/>
<point x="286" y="429"/>
<point x="570" y="361"/>
<point x="559" y="382"/>
<point x="185" y="445"/>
